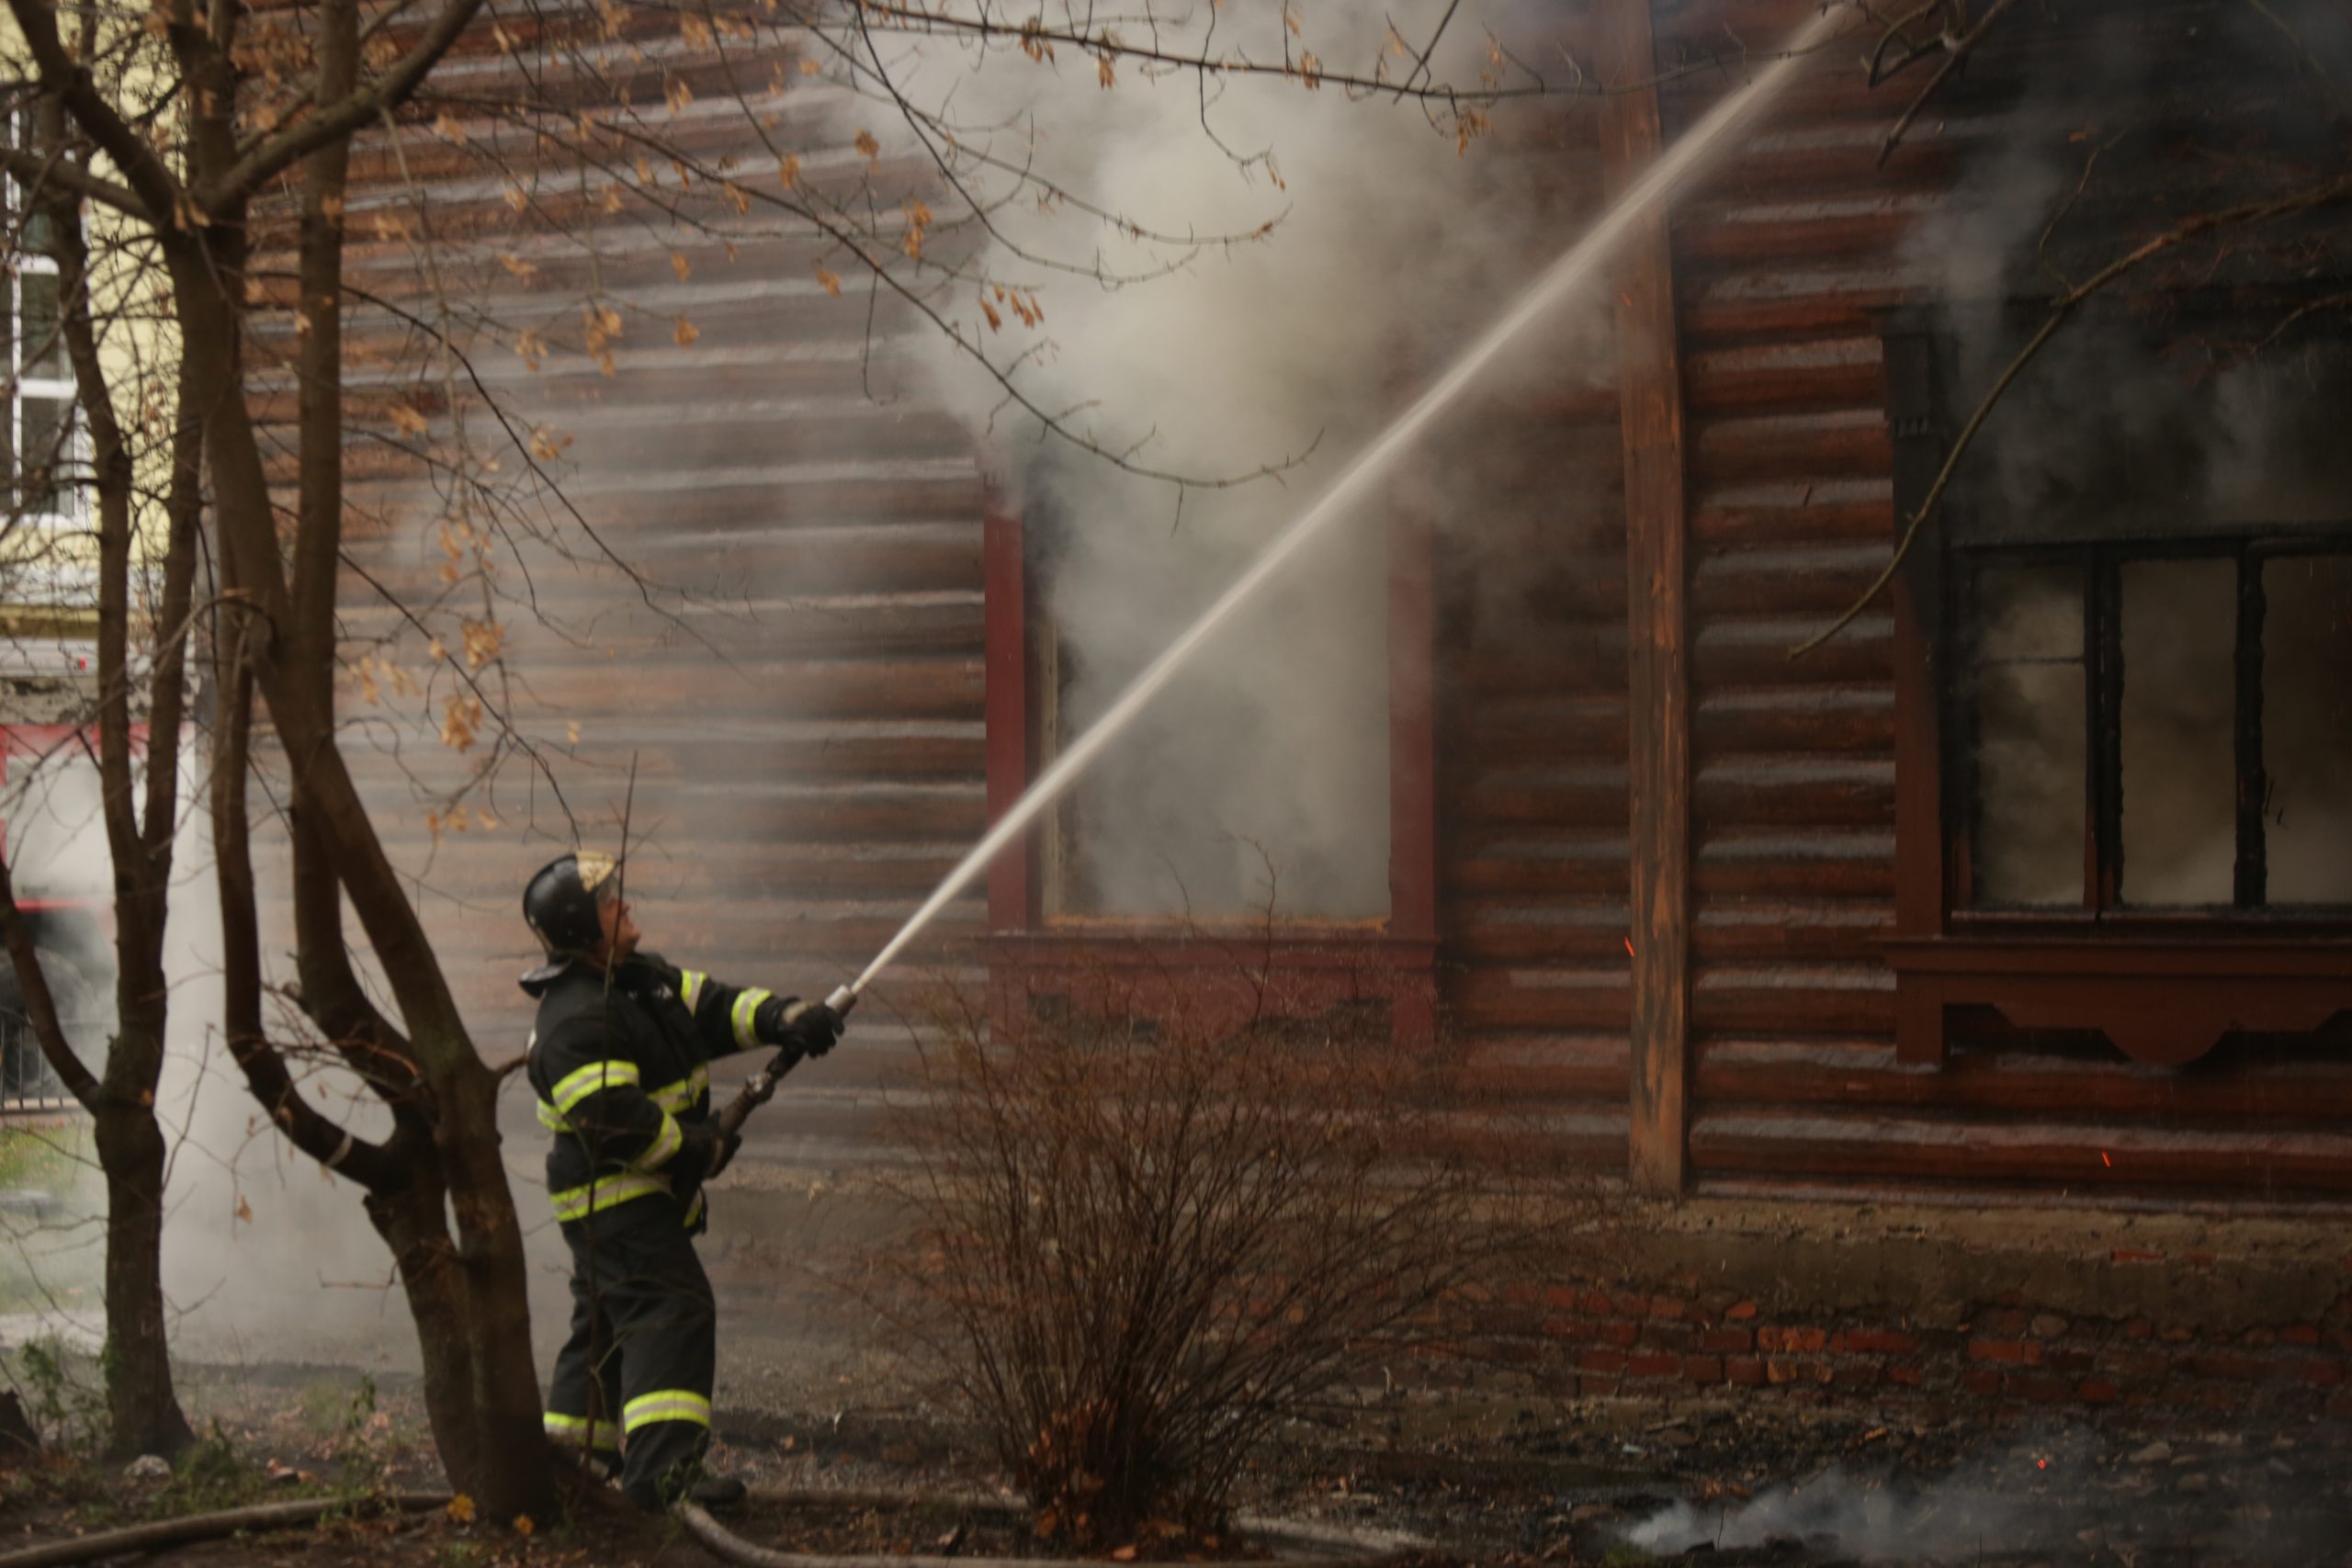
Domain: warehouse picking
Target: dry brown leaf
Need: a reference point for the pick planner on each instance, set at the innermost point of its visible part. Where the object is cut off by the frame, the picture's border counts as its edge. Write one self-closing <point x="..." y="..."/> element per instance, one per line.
<point x="832" y="280"/>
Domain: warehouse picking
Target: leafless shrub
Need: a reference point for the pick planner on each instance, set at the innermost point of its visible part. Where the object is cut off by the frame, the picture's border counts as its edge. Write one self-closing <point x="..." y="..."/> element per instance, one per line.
<point x="1153" y="1241"/>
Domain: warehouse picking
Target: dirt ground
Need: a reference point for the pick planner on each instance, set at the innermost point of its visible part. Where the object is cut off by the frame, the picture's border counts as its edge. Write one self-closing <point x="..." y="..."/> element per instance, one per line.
<point x="1502" y="1483"/>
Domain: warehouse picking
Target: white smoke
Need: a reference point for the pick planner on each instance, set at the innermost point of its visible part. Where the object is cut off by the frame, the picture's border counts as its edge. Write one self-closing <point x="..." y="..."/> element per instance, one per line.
<point x="267" y="1258"/>
<point x="1264" y="774"/>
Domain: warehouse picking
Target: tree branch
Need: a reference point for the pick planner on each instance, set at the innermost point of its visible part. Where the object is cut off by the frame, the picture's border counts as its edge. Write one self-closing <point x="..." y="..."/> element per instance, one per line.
<point x="33" y="171"/>
<point x="149" y="177"/>
<point x="336" y="122"/>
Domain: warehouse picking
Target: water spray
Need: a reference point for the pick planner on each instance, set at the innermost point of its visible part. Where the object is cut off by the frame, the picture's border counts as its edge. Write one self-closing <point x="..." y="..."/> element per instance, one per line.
<point x="1561" y="280"/>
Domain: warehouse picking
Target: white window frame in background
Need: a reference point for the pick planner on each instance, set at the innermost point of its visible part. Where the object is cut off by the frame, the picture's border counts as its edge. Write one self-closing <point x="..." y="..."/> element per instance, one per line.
<point x="71" y="455"/>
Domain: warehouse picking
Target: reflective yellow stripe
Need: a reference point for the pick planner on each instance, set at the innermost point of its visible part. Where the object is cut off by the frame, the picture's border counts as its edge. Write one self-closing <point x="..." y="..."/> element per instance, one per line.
<point x="665" y="1405"/>
<point x="693" y="1210"/>
<point x="672" y="1098"/>
<point x="573" y="1087"/>
<point x="690" y="985"/>
<point x="579" y="1202"/>
<point x="682" y="1095"/>
<point x="665" y="1144"/>
<point x="745" y="1016"/>
<point x="577" y="1431"/>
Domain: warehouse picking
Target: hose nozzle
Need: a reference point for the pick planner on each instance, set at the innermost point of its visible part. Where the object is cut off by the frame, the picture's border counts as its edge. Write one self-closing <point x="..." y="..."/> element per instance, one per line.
<point x="843" y="999"/>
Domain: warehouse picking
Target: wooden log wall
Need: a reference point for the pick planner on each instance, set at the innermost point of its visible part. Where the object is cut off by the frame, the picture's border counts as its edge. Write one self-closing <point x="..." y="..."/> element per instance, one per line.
<point x="1779" y="262"/>
<point x="797" y="680"/>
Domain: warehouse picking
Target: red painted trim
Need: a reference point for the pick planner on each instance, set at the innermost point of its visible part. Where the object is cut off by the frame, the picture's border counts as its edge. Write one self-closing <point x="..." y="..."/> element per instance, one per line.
<point x="1412" y="731"/>
<point x="1304" y="965"/>
<point x="1004" y="578"/>
<point x="41" y="740"/>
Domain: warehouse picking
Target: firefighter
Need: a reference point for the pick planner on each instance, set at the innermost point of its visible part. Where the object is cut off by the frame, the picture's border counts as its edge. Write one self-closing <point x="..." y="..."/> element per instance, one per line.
<point x="620" y="1061"/>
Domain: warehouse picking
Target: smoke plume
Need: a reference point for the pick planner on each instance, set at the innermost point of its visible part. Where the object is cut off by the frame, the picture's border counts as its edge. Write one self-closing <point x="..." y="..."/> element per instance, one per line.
<point x="1262" y="777"/>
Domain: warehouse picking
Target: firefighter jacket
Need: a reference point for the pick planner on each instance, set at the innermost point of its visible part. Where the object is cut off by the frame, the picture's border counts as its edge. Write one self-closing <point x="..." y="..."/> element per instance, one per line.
<point x="623" y="1080"/>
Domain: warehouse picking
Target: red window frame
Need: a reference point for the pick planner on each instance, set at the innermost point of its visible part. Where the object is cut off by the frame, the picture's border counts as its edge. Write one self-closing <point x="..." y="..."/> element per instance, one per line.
<point x="2163" y="986"/>
<point x="1296" y="967"/>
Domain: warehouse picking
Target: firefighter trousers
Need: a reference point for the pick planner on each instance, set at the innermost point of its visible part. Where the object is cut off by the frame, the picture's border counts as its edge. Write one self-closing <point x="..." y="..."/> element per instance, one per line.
<point x="634" y="1378"/>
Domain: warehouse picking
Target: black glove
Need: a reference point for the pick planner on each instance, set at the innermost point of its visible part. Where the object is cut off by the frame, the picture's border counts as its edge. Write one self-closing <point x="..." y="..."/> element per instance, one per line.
<point x="813" y="1030"/>
<point x="700" y="1157"/>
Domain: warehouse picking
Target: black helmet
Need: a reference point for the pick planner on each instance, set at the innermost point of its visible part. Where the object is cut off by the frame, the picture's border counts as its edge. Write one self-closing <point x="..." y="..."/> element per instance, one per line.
<point x="559" y="904"/>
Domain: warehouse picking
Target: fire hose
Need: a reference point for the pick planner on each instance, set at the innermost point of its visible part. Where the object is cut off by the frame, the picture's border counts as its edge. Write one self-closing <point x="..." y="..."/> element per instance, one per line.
<point x="760" y="1088"/>
<point x="165" y="1533"/>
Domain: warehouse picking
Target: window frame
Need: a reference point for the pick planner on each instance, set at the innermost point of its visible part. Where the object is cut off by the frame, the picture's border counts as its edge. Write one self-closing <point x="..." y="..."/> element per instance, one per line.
<point x="2164" y="983"/>
<point x="1298" y="965"/>
<point x="24" y="262"/>
<point x="2101" y="565"/>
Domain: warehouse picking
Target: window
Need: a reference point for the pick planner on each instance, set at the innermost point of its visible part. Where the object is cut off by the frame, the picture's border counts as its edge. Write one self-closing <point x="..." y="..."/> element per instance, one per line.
<point x="1259" y="781"/>
<point x="2155" y="730"/>
<point x="2123" y="773"/>
<point x="38" y="439"/>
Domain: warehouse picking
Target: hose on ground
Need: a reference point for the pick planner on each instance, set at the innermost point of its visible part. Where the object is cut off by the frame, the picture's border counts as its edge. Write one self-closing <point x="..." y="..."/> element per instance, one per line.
<point x="164" y="1533"/>
<point x="1296" y="1543"/>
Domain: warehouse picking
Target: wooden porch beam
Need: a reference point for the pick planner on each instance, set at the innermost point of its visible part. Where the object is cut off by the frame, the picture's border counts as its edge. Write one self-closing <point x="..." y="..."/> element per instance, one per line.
<point x="1649" y="386"/>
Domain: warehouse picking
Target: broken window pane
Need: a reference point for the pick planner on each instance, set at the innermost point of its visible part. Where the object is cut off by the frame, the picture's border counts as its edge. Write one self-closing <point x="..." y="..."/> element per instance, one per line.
<point x="2180" y="826"/>
<point x="2307" y="728"/>
<point x="2030" y="735"/>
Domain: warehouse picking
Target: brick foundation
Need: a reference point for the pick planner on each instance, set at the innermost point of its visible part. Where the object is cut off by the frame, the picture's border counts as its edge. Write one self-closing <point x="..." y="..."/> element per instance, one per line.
<point x="2262" y="1325"/>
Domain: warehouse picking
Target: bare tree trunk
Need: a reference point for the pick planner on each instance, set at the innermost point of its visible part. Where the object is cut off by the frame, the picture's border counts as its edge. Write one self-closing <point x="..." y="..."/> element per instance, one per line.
<point x="142" y="1409"/>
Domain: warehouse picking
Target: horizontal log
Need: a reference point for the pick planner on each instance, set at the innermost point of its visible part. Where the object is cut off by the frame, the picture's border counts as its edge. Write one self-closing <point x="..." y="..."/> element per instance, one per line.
<point x="945" y="687"/>
<point x="1792" y="512"/>
<point x="1496" y="931"/>
<point x="1780" y="580"/>
<point x="1751" y="650"/>
<point x="1795" y="865"/>
<point x="1543" y="1068"/>
<point x="1798" y="302"/>
<point x="1808" y="376"/>
<point x="1540" y="998"/>
<point x="839" y="626"/>
<point x="1735" y="791"/>
<point x="777" y="561"/>
<point x="1841" y="720"/>
<point x="1836" y="443"/>
<point x="1814" y="998"/>
<point x="1579" y="793"/>
<point x="2075" y="1156"/>
<point x="1750" y="1073"/>
<point x="1480" y="863"/>
<point x="1751" y="930"/>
